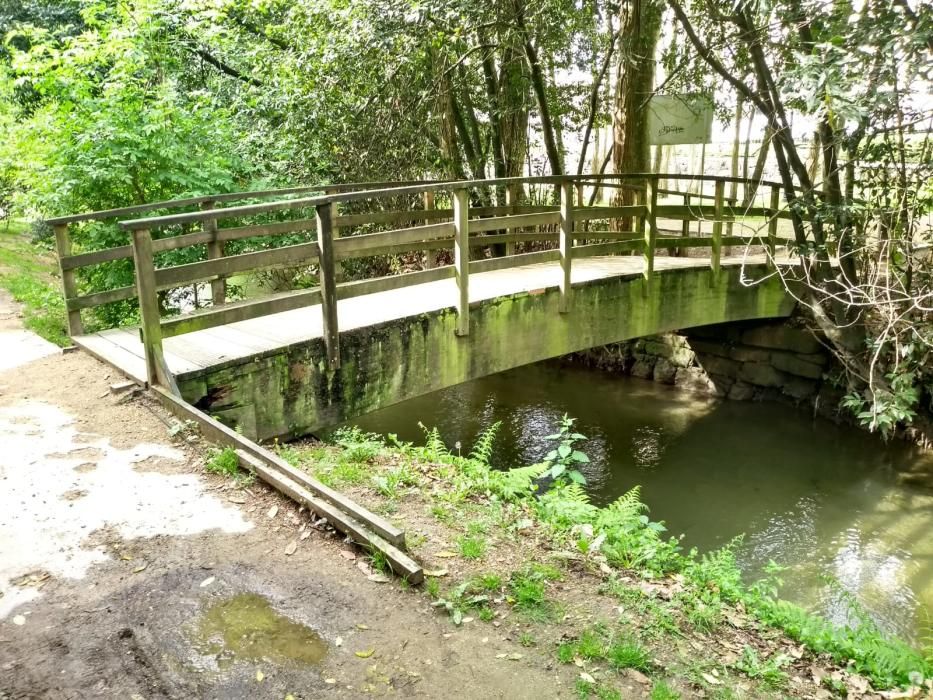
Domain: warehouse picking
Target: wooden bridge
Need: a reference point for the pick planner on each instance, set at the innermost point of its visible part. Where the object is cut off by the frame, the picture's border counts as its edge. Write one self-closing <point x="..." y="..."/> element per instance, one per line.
<point x="518" y="283"/>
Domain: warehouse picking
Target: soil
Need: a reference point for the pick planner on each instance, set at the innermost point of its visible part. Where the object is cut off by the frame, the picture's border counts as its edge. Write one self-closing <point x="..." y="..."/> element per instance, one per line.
<point x="115" y="543"/>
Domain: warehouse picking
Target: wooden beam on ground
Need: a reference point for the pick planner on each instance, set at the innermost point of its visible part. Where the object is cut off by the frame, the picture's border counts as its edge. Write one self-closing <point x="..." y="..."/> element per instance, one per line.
<point x="401" y="564"/>
<point x="340" y="511"/>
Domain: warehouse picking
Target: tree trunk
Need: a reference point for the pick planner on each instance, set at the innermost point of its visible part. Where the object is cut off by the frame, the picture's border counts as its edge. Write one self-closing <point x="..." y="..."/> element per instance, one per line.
<point x="639" y="31"/>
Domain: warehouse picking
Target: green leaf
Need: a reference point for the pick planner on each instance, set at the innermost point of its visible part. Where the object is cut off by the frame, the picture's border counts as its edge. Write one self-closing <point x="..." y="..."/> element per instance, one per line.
<point x="577" y="477"/>
<point x="564" y="451"/>
<point x="578" y="456"/>
<point x="557" y="470"/>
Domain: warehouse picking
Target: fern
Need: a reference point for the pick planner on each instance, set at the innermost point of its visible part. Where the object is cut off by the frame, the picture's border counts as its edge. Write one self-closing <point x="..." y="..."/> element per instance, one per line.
<point x="626" y="513"/>
<point x="434" y="448"/>
<point x="482" y="451"/>
<point x="566" y="505"/>
<point x="515" y="483"/>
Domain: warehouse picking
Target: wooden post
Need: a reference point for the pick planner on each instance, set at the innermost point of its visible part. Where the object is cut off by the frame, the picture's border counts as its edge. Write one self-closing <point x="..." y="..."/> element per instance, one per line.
<point x="157" y="371"/>
<point x="69" y="283"/>
<point x="430" y="256"/>
<point x="215" y="249"/>
<point x="581" y="202"/>
<point x="773" y="223"/>
<point x="566" y="244"/>
<point x="511" y="200"/>
<point x="328" y="282"/>
<point x="651" y="230"/>
<point x="461" y="204"/>
<point x="339" y="271"/>
<point x="716" y="250"/>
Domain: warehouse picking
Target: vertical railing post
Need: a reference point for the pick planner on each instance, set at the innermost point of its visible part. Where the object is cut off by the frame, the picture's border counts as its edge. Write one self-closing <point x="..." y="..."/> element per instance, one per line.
<point x="328" y="282"/>
<point x="336" y="231"/>
<point x="511" y="201"/>
<point x="651" y="229"/>
<point x="430" y="255"/>
<point x="773" y="223"/>
<point x="157" y="372"/>
<point x="215" y="249"/>
<point x="69" y="283"/>
<point x="716" y="249"/>
<point x="461" y="204"/>
<point x="566" y="244"/>
<point x="581" y="202"/>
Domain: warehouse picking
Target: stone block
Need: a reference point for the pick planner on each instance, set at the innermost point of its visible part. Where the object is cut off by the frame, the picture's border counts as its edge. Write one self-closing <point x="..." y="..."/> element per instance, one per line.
<point x="761" y="374"/>
<point x="744" y="353"/>
<point x="740" y="391"/>
<point x="719" y="365"/>
<point x="793" y="364"/>
<point x="664" y="371"/>
<point x="710" y="347"/>
<point x="643" y="368"/>
<point x="721" y="384"/>
<point x="799" y="388"/>
<point x="694" y="379"/>
<point x="781" y="337"/>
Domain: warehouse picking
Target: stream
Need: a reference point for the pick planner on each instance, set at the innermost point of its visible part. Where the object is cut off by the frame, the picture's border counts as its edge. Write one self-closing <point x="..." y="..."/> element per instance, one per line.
<point x="820" y="499"/>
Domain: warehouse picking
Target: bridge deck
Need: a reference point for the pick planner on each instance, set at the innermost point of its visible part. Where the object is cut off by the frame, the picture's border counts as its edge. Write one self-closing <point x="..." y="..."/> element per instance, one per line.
<point x="191" y="352"/>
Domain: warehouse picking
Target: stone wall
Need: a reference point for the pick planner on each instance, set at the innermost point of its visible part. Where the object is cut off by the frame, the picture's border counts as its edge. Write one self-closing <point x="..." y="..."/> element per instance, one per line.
<point x="743" y="361"/>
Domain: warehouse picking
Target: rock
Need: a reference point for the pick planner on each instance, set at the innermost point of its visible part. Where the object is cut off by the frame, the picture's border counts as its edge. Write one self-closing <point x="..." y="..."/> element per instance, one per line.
<point x="710" y="347"/>
<point x="719" y="365"/>
<point x="781" y="337"/>
<point x="760" y="374"/>
<point x="743" y="353"/>
<point x="694" y="379"/>
<point x="792" y="364"/>
<point x="721" y="385"/>
<point x="741" y="391"/>
<point x="664" y="371"/>
<point x="643" y="368"/>
<point x="799" y="388"/>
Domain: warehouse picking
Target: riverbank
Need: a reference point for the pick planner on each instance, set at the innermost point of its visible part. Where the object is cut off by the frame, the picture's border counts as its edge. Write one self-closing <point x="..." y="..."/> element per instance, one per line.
<point x="602" y="595"/>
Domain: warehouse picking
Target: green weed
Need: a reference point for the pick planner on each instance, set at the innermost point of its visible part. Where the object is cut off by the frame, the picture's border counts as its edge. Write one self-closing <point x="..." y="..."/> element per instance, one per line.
<point x="472" y="547"/>
<point x="224" y="462"/>
<point x="660" y="690"/>
<point x="628" y="654"/>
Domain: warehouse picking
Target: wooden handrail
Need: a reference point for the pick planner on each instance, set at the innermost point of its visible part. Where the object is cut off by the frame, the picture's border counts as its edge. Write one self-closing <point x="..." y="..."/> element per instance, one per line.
<point x="460" y="228"/>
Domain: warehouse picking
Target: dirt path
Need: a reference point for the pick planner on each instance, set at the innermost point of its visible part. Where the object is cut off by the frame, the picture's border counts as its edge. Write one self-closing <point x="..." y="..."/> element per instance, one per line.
<point x="127" y="571"/>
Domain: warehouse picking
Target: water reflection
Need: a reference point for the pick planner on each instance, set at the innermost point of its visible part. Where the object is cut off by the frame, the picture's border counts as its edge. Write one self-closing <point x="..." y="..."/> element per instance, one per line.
<point x="817" y="498"/>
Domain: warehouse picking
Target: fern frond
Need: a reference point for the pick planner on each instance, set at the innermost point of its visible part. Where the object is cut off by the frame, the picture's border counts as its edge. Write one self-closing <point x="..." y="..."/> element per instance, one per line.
<point x="482" y="451"/>
<point x="515" y="482"/>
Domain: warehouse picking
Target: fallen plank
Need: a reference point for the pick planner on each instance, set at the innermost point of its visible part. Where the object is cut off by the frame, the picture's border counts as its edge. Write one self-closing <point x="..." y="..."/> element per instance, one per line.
<point x="402" y="565"/>
<point x="216" y="431"/>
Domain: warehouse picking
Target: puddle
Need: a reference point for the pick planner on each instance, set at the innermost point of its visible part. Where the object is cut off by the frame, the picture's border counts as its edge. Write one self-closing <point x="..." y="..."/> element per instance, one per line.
<point x="246" y="628"/>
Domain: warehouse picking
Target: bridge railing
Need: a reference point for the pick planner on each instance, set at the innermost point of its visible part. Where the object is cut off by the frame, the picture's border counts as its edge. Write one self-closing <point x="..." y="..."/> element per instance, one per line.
<point x="560" y="227"/>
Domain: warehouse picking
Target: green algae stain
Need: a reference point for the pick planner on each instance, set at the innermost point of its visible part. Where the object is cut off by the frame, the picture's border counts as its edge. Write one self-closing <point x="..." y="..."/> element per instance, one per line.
<point x="246" y="628"/>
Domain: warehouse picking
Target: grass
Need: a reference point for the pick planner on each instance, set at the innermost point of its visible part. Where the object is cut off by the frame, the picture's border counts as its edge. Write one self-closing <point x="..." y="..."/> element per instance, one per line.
<point x="224" y="462"/>
<point x="27" y="273"/>
<point x="472" y="547"/>
<point x="628" y="653"/>
<point x="662" y="691"/>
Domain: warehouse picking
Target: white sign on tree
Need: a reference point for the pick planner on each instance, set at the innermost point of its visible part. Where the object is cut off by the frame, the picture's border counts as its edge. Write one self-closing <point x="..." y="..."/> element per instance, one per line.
<point x="676" y="119"/>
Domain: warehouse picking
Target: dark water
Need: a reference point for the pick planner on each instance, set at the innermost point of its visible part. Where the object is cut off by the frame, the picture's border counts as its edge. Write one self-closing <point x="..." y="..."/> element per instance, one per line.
<point x="818" y="498"/>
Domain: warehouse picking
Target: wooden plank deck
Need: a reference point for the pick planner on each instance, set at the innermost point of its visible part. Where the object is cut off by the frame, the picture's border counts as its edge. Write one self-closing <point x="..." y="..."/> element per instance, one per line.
<point x="191" y="352"/>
